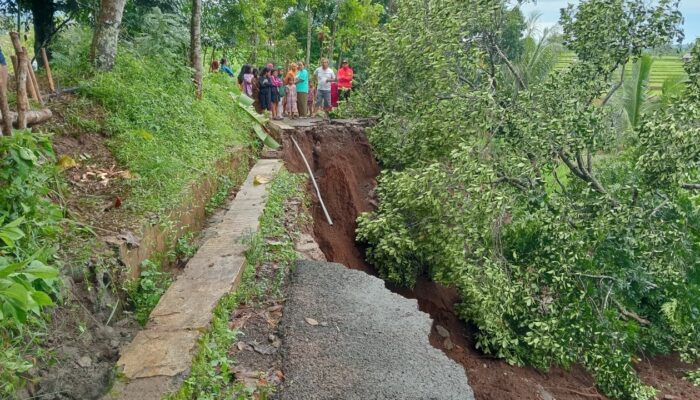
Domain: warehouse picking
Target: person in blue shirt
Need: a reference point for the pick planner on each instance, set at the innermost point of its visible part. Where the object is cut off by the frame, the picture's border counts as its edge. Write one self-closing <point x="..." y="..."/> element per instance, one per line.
<point x="225" y="68"/>
<point x="302" y="82"/>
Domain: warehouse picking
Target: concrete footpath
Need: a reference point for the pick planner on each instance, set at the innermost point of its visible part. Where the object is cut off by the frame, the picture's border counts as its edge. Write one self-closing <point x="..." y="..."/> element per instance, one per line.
<point x="160" y="356"/>
<point x="346" y="337"/>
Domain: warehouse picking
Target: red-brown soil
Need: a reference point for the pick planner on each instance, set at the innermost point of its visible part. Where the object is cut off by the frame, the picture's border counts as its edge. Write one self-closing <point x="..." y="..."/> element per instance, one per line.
<point x="345" y="168"/>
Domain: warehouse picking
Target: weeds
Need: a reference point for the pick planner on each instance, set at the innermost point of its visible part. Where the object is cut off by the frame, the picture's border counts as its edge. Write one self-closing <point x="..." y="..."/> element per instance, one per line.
<point x="212" y="374"/>
<point x="186" y="247"/>
<point x="145" y="292"/>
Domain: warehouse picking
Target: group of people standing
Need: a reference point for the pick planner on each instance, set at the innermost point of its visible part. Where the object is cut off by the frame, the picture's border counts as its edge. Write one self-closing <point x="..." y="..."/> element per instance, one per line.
<point x="292" y="93"/>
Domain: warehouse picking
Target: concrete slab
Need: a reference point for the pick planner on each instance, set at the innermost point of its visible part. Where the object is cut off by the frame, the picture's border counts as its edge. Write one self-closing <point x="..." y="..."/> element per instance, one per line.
<point x="165" y="348"/>
<point x="161" y="353"/>
<point x="365" y="343"/>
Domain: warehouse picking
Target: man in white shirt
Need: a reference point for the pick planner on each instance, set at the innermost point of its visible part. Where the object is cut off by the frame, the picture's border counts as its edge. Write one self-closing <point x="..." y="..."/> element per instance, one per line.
<point x="324" y="76"/>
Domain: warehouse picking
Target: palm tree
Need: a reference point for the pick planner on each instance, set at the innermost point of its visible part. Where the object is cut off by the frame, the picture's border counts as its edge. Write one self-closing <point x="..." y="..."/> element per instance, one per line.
<point x="635" y="91"/>
<point x="539" y="57"/>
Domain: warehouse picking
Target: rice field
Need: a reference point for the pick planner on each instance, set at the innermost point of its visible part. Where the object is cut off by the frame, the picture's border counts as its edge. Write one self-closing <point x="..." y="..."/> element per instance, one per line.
<point x="662" y="68"/>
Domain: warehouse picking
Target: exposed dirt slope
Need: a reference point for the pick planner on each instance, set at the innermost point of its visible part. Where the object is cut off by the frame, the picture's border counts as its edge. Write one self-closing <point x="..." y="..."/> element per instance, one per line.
<point x="344" y="165"/>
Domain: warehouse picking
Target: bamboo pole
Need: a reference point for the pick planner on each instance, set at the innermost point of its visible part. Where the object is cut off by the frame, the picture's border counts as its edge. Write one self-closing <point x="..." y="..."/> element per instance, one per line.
<point x="22" y="100"/>
<point x="313" y="180"/>
<point x="14" y="64"/>
<point x="34" y="83"/>
<point x="14" y="36"/>
<point x="47" y="66"/>
<point x="4" y="106"/>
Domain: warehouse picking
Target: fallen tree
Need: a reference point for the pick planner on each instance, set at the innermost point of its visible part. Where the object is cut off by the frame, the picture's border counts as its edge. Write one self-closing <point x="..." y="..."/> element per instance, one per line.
<point x="564" y="248"/>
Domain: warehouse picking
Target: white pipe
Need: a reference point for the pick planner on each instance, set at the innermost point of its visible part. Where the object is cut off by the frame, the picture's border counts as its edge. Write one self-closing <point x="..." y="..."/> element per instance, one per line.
<point x="313" y="180"/>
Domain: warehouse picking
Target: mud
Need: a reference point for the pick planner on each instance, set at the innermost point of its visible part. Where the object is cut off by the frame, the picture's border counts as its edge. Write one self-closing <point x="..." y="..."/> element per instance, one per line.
<point x="345" y="168"/>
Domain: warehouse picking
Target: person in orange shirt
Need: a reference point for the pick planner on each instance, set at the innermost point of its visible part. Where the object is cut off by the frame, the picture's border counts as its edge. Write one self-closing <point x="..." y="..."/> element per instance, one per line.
<point x="345" y="74"/>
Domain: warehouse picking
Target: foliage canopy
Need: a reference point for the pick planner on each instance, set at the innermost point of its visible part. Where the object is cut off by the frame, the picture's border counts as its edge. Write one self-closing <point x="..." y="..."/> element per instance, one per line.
<point x="563" y="250"/>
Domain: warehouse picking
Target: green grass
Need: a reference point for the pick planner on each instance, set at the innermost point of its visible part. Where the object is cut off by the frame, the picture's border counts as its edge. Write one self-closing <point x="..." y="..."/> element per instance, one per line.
<point x="662" y="68"/>
<point x="211" y="376"/>
<point x="160" y="132"/>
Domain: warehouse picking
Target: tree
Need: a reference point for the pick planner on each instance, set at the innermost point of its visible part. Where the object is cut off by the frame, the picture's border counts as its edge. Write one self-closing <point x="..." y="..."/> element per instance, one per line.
<point x="196" y="46"/>
<point x="635" y="95"/>
<point x="563" y="250"/>
<point x="103" y="52"/>
<point x="43" y="12"/>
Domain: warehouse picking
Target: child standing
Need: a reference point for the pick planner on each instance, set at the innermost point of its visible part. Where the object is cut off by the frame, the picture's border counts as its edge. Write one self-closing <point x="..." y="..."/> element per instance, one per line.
<point x="290" y="105"/>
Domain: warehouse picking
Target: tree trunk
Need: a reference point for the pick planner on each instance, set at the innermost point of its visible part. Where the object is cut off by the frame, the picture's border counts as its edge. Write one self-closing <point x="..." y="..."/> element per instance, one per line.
<point x="103" y="52"/>
<point x="308" y="35"/>
<point x="43" y="15"/>
<point x="334" y="30"/>
<point x="196" y="46"/>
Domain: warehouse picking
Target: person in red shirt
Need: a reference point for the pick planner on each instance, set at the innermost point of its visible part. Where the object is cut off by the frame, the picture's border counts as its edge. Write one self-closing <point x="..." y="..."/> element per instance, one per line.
<point x="345" y="74"/>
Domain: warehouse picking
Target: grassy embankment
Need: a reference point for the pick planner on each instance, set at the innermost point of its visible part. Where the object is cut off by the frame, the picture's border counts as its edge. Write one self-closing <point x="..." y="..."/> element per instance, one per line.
<point x="161" y="139"/>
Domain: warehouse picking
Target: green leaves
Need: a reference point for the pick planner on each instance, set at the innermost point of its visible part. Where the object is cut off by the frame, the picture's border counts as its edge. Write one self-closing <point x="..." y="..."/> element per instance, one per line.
<point x="20" y="288"/>
<point x="11" y="232"/>
<point x="26" y="281"/>
<point x="564" y="248"/>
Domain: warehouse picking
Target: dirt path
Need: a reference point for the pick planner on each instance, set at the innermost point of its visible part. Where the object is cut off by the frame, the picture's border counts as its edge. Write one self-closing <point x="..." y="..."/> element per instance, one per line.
<point x="345" y="336"/>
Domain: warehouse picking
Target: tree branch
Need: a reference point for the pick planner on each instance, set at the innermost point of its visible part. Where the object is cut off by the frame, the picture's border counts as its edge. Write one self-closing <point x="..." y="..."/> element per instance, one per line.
<point x="510" y="66"/>
<point x="691" y="186"/>
<point x="614" y="88"/>
<point x="632" y="315"/>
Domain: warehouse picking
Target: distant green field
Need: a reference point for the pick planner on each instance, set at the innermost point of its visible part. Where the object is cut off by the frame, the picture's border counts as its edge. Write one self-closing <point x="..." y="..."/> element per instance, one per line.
<point x="662" y="68"/>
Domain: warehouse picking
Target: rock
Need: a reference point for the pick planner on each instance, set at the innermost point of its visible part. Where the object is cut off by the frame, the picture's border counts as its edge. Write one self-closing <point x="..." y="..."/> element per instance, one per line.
<point x="106" y="332"/>
<point x="311" y="321"/>
<point x="544" y="394"/>
<point x="85" y="361"/>
<point x="122" y="322"/>
<point x="114" y="343"/>
<point x="448" y="344"/>
<point x="442" y="331"/>
<point x="265" y="349"/>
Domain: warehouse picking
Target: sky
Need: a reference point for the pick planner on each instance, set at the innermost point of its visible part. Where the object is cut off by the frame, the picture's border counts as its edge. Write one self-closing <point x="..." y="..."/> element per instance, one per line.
<point x="550" y="14"/>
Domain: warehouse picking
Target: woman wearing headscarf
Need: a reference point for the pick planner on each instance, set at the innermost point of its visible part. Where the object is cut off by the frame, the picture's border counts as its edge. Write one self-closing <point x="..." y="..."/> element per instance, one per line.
<point x="256" y="91"/>
<point x="277" y="84"/>
<point x="246" y="80"/>
<point x="265" y="91"/>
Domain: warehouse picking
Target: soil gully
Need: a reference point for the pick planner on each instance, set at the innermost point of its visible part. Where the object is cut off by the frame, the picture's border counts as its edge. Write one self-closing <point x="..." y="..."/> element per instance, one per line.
<point x="346" y="171"/>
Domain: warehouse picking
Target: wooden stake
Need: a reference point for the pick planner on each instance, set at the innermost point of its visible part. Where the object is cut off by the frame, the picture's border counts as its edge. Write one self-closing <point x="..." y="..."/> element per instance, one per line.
<point x="34" y="84"/>
<point x="4" y="106"/>
<point x="14" y="64"/>
<point x="22" y="100"/>
<point x="14" y="36"/>
<point x="44" y="57"/>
